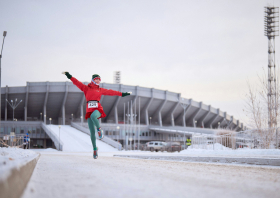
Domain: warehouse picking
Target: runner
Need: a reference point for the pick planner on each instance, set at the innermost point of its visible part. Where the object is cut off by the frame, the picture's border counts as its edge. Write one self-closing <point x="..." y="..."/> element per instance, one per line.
<point x="94" y="111"/>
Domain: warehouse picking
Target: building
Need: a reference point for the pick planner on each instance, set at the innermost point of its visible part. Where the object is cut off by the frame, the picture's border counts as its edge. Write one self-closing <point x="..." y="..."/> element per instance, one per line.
<point x="162" y="112"/>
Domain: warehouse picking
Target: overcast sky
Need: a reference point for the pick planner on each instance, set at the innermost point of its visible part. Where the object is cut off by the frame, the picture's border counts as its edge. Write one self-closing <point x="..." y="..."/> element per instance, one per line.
<point x="205" y="50"/>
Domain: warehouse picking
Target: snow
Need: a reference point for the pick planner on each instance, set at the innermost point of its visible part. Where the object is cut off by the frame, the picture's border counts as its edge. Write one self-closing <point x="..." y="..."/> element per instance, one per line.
<point x="220" y="150"/>
<point x="76" y="141"/>
<point x="13" y="158"/>
<point x="75" y="167"/>
<point x="79" y="175"/>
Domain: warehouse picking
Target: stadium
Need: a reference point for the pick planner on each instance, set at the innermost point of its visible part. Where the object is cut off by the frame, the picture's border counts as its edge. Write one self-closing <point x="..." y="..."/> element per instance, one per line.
<point x="147" y="114"/>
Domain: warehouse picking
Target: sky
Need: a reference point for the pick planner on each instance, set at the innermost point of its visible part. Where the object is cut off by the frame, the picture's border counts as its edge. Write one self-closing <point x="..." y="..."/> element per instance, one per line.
<point x="205" y="50"/>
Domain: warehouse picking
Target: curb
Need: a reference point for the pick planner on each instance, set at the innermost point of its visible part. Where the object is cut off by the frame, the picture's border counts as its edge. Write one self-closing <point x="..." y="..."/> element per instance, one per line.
<point x="226" y="160"/>
<point x="14" y="185"/>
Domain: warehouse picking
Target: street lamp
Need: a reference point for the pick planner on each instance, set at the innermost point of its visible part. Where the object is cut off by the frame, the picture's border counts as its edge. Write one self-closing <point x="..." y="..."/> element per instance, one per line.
<point x="14" y="106"/>
<point x="150" y="120"/>
<point x="59" y="137"/>
<point x="118" y="128"/>
<point x="41" y="116"/>
<point x="4" y="35"/>
<point x="219" y="125"/>
<point x="72" y="116"/>
<point x="50" y="119"/>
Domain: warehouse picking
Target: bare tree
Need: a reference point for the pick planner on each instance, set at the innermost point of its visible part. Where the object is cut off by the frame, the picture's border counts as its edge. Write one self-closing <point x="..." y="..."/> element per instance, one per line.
<point x="262" y="110"/>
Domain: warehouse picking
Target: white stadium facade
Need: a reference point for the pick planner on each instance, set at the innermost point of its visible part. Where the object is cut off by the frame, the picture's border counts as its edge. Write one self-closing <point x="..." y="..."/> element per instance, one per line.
<point x="164" y="115"/>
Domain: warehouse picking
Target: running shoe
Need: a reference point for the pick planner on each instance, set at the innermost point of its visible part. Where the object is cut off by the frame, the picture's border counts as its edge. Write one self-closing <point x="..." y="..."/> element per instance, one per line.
<point x="95" y="153"/>
<point x="100" y="133"/>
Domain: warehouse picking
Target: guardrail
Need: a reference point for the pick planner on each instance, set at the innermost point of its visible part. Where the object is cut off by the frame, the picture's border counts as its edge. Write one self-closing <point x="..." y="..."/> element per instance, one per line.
<point x="105" y="139"/>
<point x="57" y="142"/>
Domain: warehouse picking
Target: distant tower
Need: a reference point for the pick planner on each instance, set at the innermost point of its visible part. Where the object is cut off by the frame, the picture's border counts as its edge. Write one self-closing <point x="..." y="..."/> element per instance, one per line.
<point x="117" y="77"/>
<point x="271" y="22"/>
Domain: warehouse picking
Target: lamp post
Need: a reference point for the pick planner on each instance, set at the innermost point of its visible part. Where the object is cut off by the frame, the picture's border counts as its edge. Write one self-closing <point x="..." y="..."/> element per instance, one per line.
<point x="150" y="120"/>
<point x="50" y="119"/>
<point x="219" y="125"/>
<point x="41" y="116"/>
<point x="139" y="127"/>
<point x="14" y="106"/>
<point x="72" y="116"/>
<point x="4" y="35"/>
<point x="118" y="137"/>
<point x="59" y="137"/>
<point x="135" y="115"/>
<point x="277" y="137"/>
<point x="184" y="140"/>
<point x="129" y="128"/>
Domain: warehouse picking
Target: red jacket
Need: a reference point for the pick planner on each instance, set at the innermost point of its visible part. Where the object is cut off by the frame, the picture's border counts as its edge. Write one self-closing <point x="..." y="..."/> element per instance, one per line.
<point x="94" y="92"/>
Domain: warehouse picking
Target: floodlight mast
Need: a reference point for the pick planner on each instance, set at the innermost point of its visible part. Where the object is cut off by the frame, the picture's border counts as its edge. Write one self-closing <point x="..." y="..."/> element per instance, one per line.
<point x="271" y="29"/>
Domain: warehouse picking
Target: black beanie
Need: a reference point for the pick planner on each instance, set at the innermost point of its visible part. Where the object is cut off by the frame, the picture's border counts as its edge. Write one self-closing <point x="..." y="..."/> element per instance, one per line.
<point x="95" y="76"/>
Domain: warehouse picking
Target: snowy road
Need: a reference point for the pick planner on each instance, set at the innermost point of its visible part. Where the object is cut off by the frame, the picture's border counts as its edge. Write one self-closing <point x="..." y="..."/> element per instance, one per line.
<point x="61" y="174"/>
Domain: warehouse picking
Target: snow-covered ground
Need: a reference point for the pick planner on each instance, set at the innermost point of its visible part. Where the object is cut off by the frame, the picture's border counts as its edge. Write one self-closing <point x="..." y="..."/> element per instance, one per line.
<point x="74" y="172"/>
<point x="220" y="150"/>
<point x="13" y="158"/>
<point x="79" y="175"/>
<point x="77" y="141"/>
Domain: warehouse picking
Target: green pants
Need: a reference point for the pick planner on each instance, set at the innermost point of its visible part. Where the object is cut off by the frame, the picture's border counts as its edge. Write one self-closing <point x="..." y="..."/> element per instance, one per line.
<point x="92" y="123"/>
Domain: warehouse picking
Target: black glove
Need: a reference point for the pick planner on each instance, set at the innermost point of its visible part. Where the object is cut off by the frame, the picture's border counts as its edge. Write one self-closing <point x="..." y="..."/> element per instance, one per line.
<point x="125" y="94"/>
<point x="69" y="76"/>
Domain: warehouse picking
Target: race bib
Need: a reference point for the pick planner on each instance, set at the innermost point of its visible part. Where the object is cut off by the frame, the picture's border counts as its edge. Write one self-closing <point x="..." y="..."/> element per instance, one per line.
<point x="92" y="104"/>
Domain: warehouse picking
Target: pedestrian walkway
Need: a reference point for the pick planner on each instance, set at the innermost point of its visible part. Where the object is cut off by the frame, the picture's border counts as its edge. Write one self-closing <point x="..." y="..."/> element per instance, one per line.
<point x="64" y="174"/>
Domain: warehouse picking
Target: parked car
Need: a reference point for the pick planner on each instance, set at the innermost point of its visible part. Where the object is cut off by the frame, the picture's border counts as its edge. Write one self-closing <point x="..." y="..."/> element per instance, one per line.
<point x="173" y="146"/>
<point x="155" y="146"/>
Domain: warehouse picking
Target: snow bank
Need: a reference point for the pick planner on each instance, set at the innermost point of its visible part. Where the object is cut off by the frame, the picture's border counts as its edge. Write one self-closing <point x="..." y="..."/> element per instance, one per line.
<point x="230" y="152"/>
<point x="216" y="146"/>
<point x="13" y="158"/>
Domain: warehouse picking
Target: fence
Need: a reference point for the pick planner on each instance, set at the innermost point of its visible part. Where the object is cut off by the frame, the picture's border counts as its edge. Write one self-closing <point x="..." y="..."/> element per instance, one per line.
<point x="249" y="139"/>
<point x="14" y="140"/>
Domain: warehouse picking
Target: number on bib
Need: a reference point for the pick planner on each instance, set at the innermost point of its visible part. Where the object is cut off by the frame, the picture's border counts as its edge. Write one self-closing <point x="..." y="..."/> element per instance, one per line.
<point x="92" y="104"/>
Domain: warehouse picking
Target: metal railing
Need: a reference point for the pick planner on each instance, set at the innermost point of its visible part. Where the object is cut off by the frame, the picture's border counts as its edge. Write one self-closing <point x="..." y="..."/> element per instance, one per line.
<point x="15" y="140"/>
<point x="57" y="141"/>
<point x="84" y="128"/>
